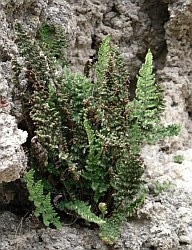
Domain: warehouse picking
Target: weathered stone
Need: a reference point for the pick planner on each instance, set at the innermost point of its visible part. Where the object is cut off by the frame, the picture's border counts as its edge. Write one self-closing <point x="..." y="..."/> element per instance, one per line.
<point x="12" y="157"/>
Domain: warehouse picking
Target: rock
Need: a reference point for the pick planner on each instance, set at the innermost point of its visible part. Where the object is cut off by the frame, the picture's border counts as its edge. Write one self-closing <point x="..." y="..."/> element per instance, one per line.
<point x="185" y="239"/>
<point x="15" y="234"/>
<point x="12" y="157"/>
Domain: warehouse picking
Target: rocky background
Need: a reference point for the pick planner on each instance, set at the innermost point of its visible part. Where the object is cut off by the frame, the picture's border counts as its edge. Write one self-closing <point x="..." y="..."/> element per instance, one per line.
<point x="164" y="221"/>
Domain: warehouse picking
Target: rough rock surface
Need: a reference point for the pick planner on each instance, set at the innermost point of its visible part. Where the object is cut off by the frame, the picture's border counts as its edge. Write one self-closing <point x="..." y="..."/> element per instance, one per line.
<point x="12" y="157"/>
<point x="164" y="221"/>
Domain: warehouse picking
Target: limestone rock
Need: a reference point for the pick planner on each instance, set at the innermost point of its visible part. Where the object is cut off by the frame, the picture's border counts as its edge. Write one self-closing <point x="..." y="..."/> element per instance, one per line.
<point x="12" y="157"/>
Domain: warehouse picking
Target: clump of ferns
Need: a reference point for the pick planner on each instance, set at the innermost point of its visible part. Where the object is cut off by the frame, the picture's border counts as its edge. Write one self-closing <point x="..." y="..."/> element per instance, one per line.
<point x="87" y="133"/>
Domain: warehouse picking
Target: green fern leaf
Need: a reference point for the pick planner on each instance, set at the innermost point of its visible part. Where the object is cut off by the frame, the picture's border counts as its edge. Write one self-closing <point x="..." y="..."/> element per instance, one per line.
<point x="42" y="202"/>
<point x="103" y="60"/>
<point x="83" y="210"/>
<point x="149" y="101"/>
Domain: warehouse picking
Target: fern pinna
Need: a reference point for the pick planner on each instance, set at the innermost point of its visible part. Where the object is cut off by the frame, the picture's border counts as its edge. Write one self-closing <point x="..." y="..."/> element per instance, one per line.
<point x="87" y="130"/>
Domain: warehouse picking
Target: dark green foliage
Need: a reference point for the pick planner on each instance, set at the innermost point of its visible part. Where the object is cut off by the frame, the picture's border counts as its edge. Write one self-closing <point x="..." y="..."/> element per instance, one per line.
<point x="87" y="135"/>
<point x="53" y="42"/>
<point x="95" y="169"/>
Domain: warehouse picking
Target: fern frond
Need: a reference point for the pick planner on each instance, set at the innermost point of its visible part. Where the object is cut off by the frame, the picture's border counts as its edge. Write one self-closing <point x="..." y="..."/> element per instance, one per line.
<point x="96" y="171"/>
<point x="42" y="202"/>
<point x="53" y="42"/>
<point x="111" y="230"/>
<point x="103" y="60"/>
<point x="127" y="182"/>
<point x="78" y="88"/>
<point x="94" y="147"/>
<point x="160" y="132"/>
<point x="149" y="102"/>
<point x="83" y="210"/>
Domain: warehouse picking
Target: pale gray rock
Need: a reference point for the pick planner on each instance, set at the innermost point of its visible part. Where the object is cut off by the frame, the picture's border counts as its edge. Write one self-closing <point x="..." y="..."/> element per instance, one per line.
<point x="12" y="157"/>
<point x="176" y="75"/>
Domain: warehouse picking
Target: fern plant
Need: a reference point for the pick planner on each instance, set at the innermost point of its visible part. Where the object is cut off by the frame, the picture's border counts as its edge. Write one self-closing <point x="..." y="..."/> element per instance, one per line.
<point x="86" y="133"/>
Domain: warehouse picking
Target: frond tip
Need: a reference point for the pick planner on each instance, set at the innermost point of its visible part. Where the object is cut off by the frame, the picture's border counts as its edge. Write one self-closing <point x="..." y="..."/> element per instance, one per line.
<point x="149" y="102"/>
<point x="103" y="59"/>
